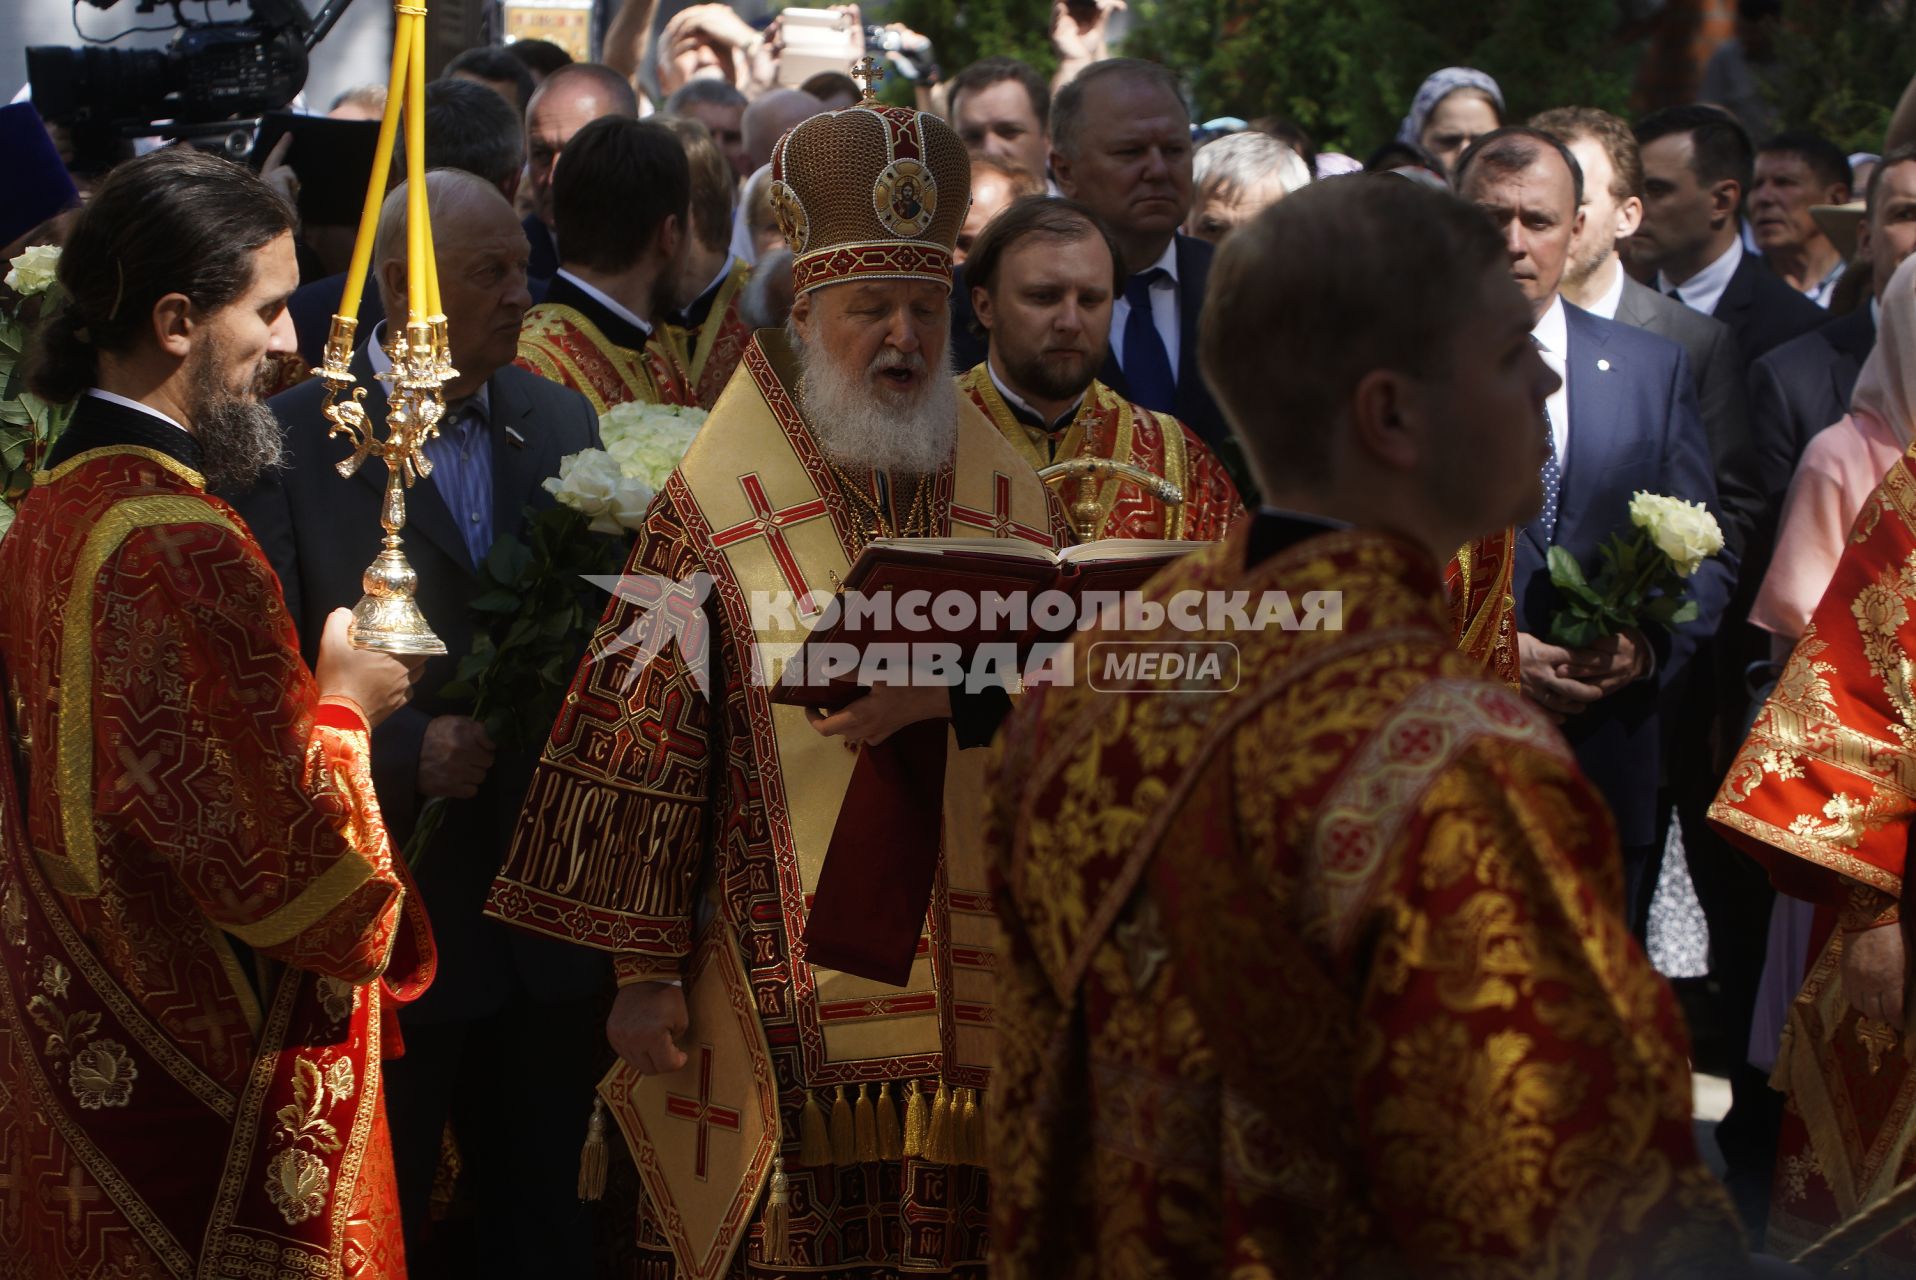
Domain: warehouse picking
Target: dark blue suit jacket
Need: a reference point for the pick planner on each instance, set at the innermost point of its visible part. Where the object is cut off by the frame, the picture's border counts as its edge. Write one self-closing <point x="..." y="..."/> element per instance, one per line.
<point x="320" y="531"/>
<point x="1633" y="425"/>
<point x="1194" y="407"/>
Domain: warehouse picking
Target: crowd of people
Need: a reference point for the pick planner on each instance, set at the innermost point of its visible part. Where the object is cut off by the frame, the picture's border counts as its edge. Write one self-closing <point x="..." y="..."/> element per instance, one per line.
<point x="1337" y="970"/>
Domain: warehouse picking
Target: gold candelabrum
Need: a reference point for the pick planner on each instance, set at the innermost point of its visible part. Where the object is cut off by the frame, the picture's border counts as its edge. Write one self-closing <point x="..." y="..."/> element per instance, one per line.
<point x="387" y="617"/>
<point x="1085" y="512"/>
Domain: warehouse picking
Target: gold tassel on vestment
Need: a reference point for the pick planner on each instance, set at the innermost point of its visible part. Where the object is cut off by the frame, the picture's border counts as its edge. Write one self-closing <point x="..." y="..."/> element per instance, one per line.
<point x="592" y="1157"/>
<point x="775" y="1244"/>
<point x="844" y="1139"/>
<point x="814" y="1142"/>
<point x="960" y="1139"/>
<point x="917" y="1122"/>
<point x="865" y="1126"/>
<point x="891" y="1143"/>
<point x="965" y="1124"/>
<point x="938" y="1136"/>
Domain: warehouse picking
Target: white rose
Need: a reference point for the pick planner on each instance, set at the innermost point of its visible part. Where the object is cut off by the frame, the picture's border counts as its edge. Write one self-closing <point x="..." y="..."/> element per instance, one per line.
<point x="591" y="483"/>
<point x="649" y="440"/>
<point x="33" y="270"/>
<point x="1685" y="532"/>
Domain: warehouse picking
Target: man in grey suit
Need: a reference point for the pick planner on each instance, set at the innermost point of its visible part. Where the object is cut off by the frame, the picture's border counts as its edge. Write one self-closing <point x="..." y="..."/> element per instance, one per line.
<point x="504" y="1006"/>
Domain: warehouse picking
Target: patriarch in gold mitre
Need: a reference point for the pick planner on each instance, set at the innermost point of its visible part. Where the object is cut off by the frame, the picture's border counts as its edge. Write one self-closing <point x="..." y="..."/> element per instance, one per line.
<point x="780" y="1111"/>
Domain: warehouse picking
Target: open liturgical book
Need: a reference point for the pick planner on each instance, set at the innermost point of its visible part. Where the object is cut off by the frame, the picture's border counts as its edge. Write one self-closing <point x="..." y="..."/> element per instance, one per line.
<point x="910" y="594"/>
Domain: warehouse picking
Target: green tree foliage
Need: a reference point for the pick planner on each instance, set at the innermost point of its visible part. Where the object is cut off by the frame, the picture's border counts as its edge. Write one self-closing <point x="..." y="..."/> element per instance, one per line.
<point x="1840" y="67"/>
<point x="1346" y="72"/>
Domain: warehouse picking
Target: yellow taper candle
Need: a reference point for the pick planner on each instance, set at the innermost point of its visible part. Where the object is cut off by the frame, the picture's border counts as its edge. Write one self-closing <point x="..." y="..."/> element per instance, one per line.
<point x="382" y="167"/>
<point x="418" y="220"/>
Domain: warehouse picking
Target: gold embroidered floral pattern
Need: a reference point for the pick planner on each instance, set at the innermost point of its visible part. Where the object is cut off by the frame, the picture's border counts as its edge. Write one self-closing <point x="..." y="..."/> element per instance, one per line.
<point x="296" y="1183"/>
<point x="102" y="1075"/>
<point x="296" y="1179"/>
<point x="1845" y="827"/>
<point x="54" y="978"/>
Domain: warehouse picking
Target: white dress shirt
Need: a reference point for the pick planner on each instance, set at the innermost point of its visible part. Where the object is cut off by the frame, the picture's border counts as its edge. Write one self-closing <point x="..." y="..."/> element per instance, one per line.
<point x="147" y="409"/>
<point x="1606" y="306"/>
<point x="1702" y="291"/>
<point x="607" y="301"/>
<point x="1164" y="308"/>
<point x="1552" y="333"/>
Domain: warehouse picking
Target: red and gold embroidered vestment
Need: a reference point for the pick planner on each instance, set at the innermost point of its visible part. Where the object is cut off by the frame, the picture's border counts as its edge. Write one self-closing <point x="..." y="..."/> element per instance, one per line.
<point x="197" y="904"/>
<point x="1109" y="426"/>
<point x="1821" y="793"/>
<point x="675" y="801"/>
<point x="1326" y="975"/>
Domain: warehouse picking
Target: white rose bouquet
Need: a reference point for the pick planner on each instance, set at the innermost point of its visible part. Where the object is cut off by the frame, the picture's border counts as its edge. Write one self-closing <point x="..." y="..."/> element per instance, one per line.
<point x="28" y="424"/>
<point x="535" y="611"/>
<point x="1641" y="572"/>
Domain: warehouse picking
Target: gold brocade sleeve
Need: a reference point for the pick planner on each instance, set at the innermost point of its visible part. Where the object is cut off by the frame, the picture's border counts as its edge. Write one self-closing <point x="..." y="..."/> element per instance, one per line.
<point x="211" y="747"/>
<point x="1523" y="1090"/>
<point x="611" y="839"/>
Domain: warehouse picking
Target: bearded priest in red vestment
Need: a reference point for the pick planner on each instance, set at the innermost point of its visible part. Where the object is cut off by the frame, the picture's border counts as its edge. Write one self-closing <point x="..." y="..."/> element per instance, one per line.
<point x="1043" y="277"/>
<point x="619" y="199"/>
<point x="1319" y="969"/>
<point x="202" y="928"/>
<point x="794" y="1118"/>
<point x="1821" y="793"/>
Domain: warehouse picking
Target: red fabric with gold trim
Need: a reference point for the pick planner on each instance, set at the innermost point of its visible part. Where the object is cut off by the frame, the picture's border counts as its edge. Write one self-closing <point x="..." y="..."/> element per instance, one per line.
<point x="184" y="784"/>
<point x="561" y="345"/>
<point x="872" y="262"/>
<point x="1823" y="787"/>
<point x="1483" y="609"/>
<point x="1325" y="974"/>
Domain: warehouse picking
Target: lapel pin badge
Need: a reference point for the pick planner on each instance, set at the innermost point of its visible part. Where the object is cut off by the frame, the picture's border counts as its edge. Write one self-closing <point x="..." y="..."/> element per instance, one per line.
<point x="518" y="441"/>
<point x="1603" y="366"/>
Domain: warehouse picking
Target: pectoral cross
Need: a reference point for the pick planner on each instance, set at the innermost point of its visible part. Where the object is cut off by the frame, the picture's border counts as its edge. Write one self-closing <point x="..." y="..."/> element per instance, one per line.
<point x="870" y="73"/>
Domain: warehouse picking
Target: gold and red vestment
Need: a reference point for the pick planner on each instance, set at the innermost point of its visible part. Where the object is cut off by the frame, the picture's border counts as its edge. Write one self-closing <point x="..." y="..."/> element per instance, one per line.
<point x="562" y="345"/>
<point x="710" y="353"/>
<point x="1109" y="426"/>
<point x="1326" y="975"/>
<point x="1483" y="607"/>
<point x="1821" y="793"/>
<point x="678" y="812"/>
<point x="202" y="929"/>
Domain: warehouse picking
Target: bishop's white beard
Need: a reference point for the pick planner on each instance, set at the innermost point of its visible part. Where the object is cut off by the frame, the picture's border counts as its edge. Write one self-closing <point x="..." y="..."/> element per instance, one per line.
<point x="859" y="421"/>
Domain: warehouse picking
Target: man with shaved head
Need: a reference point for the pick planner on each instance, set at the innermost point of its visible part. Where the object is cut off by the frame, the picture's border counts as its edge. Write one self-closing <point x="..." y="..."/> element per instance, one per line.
<point x="505" y="1006"/>
<point x="571" y="98"/>
<point x="768" y="118"/>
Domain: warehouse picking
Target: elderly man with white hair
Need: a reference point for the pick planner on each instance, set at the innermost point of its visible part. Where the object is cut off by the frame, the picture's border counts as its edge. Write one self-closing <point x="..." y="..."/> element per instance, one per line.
<point x="1236" y="178"/>
<point x="681" y="820"/>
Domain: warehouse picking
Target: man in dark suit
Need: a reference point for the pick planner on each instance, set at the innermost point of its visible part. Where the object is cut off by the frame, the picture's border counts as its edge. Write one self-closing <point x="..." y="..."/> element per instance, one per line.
<point x="1697" y="164"/>
<point x="1625" y="420"/>
<point x="1805" y="384"/>
<point x="507" y="1041"/>
<point x="1595" y="281"/>
<point x="469" y="127"/>
<point x="1121" y="146"/>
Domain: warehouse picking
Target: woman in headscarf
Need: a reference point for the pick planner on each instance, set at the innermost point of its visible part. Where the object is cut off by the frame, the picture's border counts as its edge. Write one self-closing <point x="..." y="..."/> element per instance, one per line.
<point x="1453" y="108"/>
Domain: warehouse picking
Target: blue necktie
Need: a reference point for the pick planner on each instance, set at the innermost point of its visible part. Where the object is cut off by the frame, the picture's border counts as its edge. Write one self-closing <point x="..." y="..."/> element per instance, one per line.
<point x="1147" y="366"/>
<point x="1552" y="473"/>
